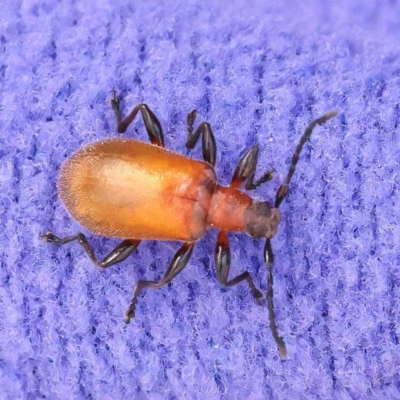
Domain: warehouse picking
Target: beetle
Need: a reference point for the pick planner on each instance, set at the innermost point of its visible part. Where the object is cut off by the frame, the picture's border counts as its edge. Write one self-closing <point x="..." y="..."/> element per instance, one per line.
<point x="129" y="189"/>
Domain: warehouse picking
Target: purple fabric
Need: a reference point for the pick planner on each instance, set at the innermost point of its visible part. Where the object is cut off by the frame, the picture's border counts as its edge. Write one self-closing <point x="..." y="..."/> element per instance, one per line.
<point x="259" y="72"/>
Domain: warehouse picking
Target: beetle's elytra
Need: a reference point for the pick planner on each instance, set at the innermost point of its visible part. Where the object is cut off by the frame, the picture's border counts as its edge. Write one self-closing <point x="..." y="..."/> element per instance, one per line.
<point x="129" y="189"/>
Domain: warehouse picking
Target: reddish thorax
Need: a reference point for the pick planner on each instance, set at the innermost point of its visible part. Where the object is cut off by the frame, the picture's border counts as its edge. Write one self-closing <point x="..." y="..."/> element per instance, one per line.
<point x="227" y="209"/>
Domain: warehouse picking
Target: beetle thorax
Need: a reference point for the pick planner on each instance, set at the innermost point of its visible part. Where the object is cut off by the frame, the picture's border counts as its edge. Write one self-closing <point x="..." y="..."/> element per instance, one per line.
<point x="233" y="210"/>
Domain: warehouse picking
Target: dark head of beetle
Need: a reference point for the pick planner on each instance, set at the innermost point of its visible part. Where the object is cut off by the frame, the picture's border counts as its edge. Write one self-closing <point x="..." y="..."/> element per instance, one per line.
<point x="262" y="220"/>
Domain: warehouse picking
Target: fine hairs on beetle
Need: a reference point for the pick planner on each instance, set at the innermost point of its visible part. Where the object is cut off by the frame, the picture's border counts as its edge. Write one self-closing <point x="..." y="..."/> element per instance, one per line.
<point x="129" y="189"/>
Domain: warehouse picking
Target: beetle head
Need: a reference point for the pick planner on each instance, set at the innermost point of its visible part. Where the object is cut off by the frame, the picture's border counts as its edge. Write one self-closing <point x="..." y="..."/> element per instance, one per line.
<point x="261" y="219"/>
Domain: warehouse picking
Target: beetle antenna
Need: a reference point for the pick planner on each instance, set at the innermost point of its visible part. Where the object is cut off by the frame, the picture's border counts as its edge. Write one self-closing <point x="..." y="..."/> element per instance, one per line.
<point x="284" y="188"/>
<point x="269" y="259"/>
<point x="268" y="253"/>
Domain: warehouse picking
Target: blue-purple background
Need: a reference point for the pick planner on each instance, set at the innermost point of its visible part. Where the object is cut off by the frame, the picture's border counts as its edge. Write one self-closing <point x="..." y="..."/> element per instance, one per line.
<point x="259" y="72"/>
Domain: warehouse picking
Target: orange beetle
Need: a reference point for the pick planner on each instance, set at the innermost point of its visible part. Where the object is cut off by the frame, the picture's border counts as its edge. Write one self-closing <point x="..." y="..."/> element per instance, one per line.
<point x="129" y="189"/>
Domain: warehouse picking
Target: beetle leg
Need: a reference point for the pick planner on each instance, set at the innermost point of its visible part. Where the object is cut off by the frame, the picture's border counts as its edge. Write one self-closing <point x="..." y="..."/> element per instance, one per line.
<point x="151" y="122"/>
<point x="223" y="263"/>
<point x="208" y="139"/>
<point x="120" y="253"/>
<point x="177" y="264"/>
<point x="284" y="188"/>
<point x="246" y="170"/>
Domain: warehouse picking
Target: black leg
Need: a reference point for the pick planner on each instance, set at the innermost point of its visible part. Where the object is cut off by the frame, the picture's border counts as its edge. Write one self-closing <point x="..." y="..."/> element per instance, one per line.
<point x="284" y="188"/>
<point x="269" y="259"/>
<point x="223" y="263"/>
<point x="246" y="170"/>
<point x="208" y="139"/>
<point x="122" y="251"/>
<point x="179" y="262"/>
<point x="151" y="122"/>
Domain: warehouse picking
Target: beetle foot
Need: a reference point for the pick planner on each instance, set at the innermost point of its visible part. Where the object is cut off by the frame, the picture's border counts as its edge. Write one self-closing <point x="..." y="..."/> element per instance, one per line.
<point x="50" y="237"/>
<point x="129" y="314"/>
<point x="258" y="296"/>
<point x="268" y="175"/>
<point x="191" y="117"/>
<point x="115" y="101"/>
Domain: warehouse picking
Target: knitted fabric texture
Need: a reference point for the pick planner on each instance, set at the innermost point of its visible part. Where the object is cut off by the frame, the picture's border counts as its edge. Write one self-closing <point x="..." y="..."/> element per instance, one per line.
<point x="259" y="72"/>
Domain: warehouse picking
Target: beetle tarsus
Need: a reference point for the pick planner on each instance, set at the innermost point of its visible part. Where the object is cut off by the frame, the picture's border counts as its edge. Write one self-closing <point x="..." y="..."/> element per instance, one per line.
<point x="265" y="177"/>
<point x="50" y="237"/>
<point x="191" y="117"/>
<point x="130" y="313"/>
<point x="258" y="296"/>
<point x="115" y="102"/>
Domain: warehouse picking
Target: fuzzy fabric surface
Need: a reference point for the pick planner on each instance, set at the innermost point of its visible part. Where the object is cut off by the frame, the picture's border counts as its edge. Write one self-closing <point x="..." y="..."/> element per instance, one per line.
<point x="259" y="72"/>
